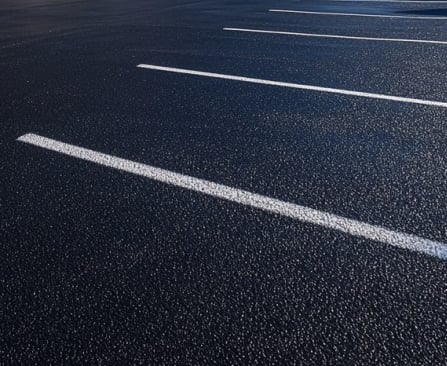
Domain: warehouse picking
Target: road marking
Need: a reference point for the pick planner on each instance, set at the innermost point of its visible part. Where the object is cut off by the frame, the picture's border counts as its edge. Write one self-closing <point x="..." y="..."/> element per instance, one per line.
<point x="295" y="86"/>
<point x="334" y="35"/>
<point x="356" y="15"/>
<point x="294" y="211"/>
<point x="396" y="1"/>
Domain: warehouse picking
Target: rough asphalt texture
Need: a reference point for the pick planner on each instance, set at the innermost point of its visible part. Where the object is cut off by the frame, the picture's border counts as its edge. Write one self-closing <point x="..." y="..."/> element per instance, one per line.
<point x="102" y="267"/>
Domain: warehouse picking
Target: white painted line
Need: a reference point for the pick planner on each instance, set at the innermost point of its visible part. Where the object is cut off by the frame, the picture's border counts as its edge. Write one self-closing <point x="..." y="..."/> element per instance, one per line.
<point x="295" y="86"/>
<point x="357" y="15"/>
<point x="334" y="36"/>
<point x="395" y="1"/>
<point x="294" y="211"/>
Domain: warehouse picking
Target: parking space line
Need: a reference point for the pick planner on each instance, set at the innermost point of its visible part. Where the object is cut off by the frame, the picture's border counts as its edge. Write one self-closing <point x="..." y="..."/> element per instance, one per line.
<point x="334" y="36"/>
<point x="295" y="86"/>
<point x="356" y="14"/>
<point x="395" y="1"/>
<point x="291" y="210"/>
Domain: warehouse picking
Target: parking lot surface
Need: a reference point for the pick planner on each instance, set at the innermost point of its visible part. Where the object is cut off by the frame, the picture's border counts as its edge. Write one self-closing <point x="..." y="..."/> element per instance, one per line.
<point x="223" y="182"/>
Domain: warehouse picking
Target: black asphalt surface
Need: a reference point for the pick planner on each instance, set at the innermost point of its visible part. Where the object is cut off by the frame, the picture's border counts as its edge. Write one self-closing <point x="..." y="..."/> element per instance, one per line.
<point x="103" y="267"/>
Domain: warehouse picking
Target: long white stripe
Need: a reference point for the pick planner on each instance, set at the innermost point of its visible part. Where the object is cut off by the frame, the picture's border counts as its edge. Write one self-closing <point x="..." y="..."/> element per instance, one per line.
<point x="395" y="1"/>
<point x="295" y="86"/>
<point x="357" y="15"/>
<point x="305" y="214"/>
<point x="334" y="36"/>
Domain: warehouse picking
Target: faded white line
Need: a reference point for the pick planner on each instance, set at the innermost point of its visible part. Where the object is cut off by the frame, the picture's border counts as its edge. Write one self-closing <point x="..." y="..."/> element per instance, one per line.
<point x="357" y="15"/>
<point x="295" y="86"/>
<point x="294" y="211"/>
<point x="334" y="36"/>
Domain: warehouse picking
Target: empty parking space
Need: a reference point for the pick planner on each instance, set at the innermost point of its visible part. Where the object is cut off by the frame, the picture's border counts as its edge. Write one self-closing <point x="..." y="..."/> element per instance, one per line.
<point x="291" y="210"/>
<point x="335" y="36"/>
<point x="244" y="183"/>
<point x="296" y="86"/>
<point x="356" y="14"/>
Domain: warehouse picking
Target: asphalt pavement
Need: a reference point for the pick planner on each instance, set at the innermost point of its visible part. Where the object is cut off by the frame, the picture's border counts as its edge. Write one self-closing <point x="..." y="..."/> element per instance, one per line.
<point x="223" y="182"/>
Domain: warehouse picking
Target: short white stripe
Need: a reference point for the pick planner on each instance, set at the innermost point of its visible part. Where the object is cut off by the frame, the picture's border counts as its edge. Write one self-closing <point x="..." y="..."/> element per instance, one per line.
<point x="295" y="86"/>
<point x="357" y="15"/>
<point x="294" y="211"/>
<point x="335" y="36"/>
